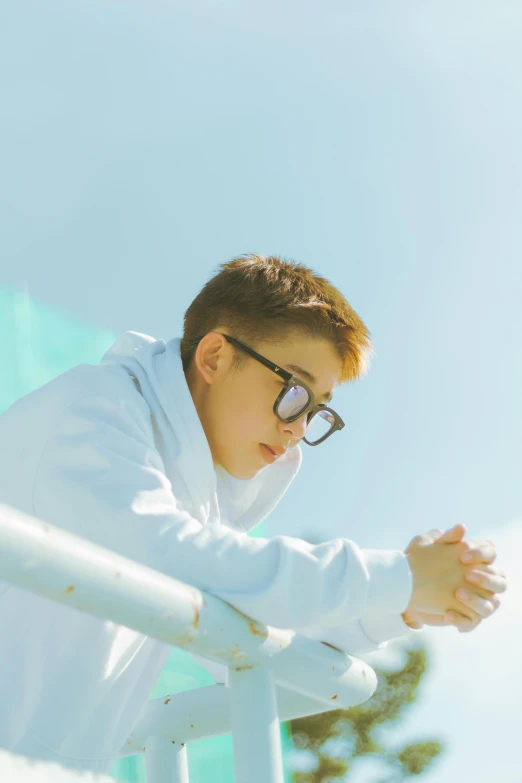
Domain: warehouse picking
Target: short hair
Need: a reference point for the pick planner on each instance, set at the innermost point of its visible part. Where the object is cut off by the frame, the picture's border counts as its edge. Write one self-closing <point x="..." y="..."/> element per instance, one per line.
<point x="265" y="299"/>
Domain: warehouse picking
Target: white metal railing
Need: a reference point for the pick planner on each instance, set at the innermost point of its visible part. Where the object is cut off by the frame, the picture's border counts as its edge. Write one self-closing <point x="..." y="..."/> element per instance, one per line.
<point x="274" y="674"/>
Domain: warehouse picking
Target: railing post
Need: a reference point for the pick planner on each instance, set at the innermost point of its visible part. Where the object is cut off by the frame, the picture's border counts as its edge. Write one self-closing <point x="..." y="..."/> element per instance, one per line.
<point x="165" y="761"/>
<point x="255" y="725"/>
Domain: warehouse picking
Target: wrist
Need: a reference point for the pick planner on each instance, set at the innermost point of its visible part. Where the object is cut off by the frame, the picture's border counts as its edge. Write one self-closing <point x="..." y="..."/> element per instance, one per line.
<point x="415" y="603"/>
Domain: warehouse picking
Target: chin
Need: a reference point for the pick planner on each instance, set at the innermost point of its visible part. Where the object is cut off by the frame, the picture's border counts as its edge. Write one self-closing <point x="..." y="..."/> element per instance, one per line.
<point x="243" y="475"/>
<point x="241" y="466"/>
<point x="240" y="472"/>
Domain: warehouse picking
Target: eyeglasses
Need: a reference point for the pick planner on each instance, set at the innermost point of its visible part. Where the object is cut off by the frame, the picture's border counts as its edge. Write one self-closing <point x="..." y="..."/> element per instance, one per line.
<point x="295" y="399"/>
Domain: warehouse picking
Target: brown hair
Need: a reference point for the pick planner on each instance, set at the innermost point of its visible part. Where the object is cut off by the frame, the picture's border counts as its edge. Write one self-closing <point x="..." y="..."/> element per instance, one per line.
<point x="266" y="299"/>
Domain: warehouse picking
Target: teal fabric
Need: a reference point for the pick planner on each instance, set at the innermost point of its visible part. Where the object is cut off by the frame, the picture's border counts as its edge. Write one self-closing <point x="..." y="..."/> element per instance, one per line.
<point x="38" y="344"/>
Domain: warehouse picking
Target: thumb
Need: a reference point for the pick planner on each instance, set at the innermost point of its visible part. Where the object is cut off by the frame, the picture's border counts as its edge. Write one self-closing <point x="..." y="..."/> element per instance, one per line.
<point x="452" y="536"/>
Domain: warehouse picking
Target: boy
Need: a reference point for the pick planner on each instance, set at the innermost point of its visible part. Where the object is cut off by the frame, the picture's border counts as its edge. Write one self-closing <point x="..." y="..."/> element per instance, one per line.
<point x="168" y="453"/>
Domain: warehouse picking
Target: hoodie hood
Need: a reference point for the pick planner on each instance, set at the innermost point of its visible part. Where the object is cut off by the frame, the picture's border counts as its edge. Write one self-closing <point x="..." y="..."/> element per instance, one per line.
<point x="210" y="493"/>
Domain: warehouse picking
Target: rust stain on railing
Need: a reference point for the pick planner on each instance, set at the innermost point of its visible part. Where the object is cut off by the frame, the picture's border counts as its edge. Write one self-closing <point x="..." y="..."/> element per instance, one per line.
<point x="252" y="628"/>
<point x="196" y="619"/>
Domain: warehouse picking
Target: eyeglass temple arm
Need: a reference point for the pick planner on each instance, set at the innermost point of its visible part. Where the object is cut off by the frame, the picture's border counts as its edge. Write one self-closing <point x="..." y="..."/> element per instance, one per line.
<point x="266" y="362"/>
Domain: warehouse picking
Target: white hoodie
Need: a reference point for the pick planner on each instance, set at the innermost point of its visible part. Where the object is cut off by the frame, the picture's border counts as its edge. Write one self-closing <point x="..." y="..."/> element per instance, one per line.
<point x="116" y="454"/>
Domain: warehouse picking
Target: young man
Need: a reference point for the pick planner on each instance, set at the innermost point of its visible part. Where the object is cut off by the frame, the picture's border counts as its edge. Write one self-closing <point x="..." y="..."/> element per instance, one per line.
<point x="168" y="453"/>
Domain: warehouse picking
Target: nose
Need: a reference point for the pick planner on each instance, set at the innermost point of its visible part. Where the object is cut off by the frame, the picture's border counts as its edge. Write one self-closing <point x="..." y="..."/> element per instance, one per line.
<point x="295" y="429"/>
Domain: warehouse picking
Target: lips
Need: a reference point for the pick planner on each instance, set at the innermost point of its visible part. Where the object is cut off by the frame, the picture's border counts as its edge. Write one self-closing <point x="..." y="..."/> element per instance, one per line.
<point x="269" y="456"/>
<point x="276" y="449"/>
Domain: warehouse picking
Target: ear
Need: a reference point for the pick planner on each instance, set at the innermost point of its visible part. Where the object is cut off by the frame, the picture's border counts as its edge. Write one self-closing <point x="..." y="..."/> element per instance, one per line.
<point x="212" y="356"/>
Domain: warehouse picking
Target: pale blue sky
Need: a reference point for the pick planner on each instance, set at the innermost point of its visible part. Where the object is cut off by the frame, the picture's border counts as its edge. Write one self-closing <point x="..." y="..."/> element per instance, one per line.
<point x="144" y="143"/>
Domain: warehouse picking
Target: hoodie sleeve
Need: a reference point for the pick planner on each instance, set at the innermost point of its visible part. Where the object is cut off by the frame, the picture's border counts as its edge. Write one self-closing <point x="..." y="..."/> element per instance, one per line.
<point x="364" y="635"/>
<point x="372" y="631"/>
<point x="101" y="477"/>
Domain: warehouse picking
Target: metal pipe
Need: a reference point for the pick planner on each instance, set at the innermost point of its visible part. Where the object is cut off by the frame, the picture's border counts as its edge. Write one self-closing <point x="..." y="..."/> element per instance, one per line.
<point x="204" y="712"/>
<point x="311" y="677"/>
<point x="255" y="725"/>
<point x="66" y="568"/>
<point x="166" y="762"/>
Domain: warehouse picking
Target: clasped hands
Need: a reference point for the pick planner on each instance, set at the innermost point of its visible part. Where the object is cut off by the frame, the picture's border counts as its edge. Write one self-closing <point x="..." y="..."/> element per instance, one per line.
<point x="454" y="582"/>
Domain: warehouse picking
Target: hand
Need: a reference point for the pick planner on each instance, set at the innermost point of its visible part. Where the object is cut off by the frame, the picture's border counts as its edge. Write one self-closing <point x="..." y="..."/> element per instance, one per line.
<point x="437" y="571"/>
<point x="484" y="581"/>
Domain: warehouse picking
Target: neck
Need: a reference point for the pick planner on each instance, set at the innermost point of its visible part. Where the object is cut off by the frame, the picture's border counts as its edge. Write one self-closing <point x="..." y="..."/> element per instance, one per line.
<point x="197" y="392"/>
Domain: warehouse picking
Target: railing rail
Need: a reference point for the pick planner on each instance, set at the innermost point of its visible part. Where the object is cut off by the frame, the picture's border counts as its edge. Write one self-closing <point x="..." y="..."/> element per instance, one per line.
<point x="274" y="674"/>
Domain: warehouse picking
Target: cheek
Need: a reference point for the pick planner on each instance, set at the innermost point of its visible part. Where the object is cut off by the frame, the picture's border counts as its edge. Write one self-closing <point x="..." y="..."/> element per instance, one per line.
<point x="248" y="413"/>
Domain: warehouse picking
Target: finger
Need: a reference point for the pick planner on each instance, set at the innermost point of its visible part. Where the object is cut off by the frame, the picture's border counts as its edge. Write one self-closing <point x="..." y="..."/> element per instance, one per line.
<point x="429" y="537"/>
<point x="494" y="583"/>
<point x="479" y="552"/>
<point x="488" y="569"/>
<point x="436" y="532"/>
<point x="453" y="535"/>
<point x="482" y="606"/>
<point x="433" y="535"/>
<point x="487" y="594"/>
<point x="464" y="624"/>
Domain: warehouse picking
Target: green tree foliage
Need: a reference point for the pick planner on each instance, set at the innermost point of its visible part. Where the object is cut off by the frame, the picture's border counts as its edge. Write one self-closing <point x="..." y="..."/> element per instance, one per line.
<point x="338" y="737"/>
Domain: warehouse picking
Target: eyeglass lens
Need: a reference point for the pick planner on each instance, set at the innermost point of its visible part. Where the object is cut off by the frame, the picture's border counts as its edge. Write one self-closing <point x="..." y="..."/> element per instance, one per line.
<point x="294" y="401"/>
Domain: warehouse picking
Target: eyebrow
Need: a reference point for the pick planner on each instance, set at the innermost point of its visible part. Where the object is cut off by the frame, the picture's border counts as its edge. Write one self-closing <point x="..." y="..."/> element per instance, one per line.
<point x="295" y="368"/>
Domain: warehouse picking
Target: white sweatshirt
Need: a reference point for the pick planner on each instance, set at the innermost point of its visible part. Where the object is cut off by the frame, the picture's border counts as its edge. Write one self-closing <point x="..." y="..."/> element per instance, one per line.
<point x="116" y="454"/>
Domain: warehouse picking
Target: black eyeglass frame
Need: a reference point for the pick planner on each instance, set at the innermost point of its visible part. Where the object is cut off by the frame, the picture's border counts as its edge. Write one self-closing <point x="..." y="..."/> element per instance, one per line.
<point x="290" y="381"/>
